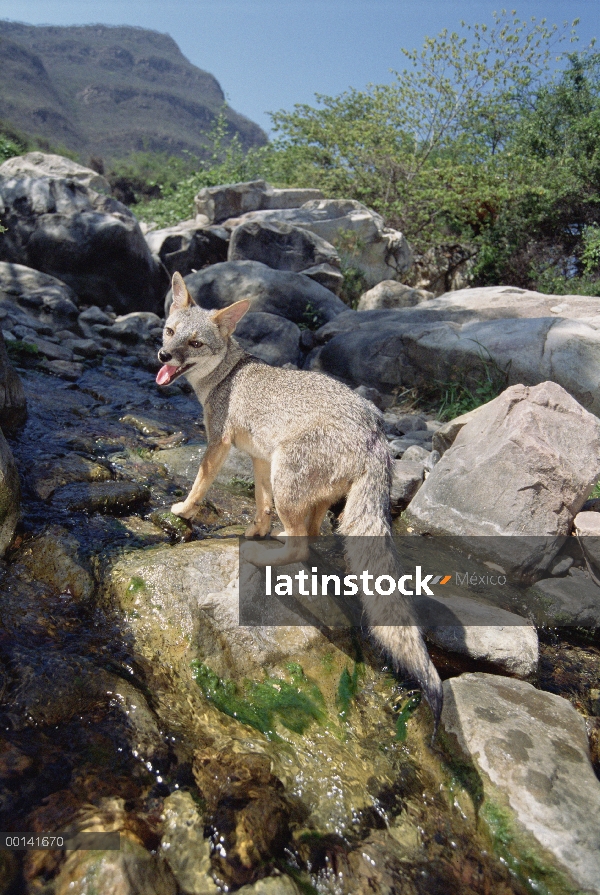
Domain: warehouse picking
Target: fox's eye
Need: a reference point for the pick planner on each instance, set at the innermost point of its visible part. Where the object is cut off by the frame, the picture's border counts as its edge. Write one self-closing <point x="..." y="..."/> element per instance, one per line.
<point x="194" y="344"/>
<point x="169" y="331"/>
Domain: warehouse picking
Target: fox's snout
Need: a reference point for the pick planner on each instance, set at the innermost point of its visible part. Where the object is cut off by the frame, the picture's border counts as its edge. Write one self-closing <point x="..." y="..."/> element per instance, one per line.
<point x="164" y="356"/>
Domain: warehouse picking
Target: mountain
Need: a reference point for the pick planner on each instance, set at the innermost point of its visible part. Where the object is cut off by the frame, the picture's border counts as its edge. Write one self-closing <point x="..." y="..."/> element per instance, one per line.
<point x="107" y="91"/>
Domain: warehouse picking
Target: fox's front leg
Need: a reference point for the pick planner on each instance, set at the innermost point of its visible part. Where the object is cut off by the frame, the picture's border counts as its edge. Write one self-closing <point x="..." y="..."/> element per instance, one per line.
<point x="264" y="500"/>
<point x="212" y="461"/>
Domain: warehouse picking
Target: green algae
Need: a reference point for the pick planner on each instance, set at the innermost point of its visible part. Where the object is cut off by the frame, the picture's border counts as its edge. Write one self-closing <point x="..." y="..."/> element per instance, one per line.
<point x="412" y="704"/>
<point x="136" y="584"/>
<point x="295" y="704"/>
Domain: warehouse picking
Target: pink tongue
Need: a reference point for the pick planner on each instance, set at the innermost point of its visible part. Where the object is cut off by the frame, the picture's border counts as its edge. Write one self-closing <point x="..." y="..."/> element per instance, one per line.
<point x="163" y="377"/>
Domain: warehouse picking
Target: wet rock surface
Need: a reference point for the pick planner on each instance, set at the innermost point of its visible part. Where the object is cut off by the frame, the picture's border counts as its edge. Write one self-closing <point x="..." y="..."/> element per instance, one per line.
<point x="531" y="748"/>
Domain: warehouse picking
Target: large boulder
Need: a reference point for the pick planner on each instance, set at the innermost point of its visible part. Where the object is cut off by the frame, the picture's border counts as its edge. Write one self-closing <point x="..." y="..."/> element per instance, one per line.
<point x="188" y="246"/>
<point x="270" y="337"/>
<point x="93" y="243"/>
<point x="37" y="290"/>
<point x="523" y="466"/>
<point x="44" y="164"/>
<point x="217" y="203"/>
<point x="527" y="755"/>
<point x="378" y="252"/>
<point x="280" y="246"/>
<point x="285" y="293"/>
<point x="13" y="405"/>
<point x="9" y="495"/>
<point x="523" y="337"/>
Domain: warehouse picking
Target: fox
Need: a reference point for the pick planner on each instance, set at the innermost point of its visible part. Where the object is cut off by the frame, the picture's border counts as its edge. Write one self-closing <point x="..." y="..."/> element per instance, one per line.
<point x="313" y="442"/>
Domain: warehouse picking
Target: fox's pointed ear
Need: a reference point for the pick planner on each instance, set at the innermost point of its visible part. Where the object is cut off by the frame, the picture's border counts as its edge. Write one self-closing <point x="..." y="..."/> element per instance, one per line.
<point x="228" y="318"/>
<point x="181" y="297"/>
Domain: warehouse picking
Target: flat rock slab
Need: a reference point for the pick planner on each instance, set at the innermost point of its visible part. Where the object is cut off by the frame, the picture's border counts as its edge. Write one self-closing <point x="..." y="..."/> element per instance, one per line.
<point x="481" y="631"/>
<point x="101" y="496"/>
<point x="531" y="751"/>
<point x="183" y="603"/>
<point x="574" y="600"/>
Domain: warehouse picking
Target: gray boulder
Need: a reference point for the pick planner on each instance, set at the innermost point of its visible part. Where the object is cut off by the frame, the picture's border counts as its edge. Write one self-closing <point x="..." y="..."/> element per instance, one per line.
<point x="379" y="253"/>
<point x="523" y="466"/>
<point x="391" y="294"/>
<point x="9" y="495"/>
<point x="280" y="246"/>
<point x="270" y="338"/>
<point x="528" y="751"/>
<point x="44" y="164"/>
<point x="13" y="405"/>
<point x="36" y="289"/>
<point x="285" y="293"/>
<point x="217" y="203"/>
<point x="89" y="241"/>
<point x="571" y="601"/>
<point x="188" y="246"/>
<point x="523" y="337"/>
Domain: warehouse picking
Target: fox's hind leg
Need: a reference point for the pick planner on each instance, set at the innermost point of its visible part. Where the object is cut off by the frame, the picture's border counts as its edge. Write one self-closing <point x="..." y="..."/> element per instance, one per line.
<point x="264" y="500"/>
<point x="315" y="518"/>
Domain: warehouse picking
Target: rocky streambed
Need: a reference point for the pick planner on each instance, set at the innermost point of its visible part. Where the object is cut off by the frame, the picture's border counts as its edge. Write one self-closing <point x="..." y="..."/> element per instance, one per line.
<point x="275" y="760"/>
<point x="282" y="760"/>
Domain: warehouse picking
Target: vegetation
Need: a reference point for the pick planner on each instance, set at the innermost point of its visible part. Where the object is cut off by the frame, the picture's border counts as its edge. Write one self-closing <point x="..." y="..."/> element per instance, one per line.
<point x="483" y="147"/>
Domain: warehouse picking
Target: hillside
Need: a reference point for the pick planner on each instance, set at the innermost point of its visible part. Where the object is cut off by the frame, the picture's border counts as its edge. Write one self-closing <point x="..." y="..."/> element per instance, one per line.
<point x="108" y="91"/>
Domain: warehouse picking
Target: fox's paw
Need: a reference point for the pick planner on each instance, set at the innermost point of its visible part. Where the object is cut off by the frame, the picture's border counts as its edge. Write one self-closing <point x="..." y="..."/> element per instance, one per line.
<point x="184" y="509"/>
<point x="258" y="529"/>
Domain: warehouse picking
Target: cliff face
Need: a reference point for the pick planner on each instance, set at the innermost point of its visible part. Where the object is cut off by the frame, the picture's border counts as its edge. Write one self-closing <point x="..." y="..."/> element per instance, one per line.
<point x="108" y="91"/>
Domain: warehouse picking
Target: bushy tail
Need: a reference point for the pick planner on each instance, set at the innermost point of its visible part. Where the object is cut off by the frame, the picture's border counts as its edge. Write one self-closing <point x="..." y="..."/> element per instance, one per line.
<point x="369" y="546"/>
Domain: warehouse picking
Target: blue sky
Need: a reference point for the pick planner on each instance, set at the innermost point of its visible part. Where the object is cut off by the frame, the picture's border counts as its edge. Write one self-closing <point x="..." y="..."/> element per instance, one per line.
<point x="270" y="54"/>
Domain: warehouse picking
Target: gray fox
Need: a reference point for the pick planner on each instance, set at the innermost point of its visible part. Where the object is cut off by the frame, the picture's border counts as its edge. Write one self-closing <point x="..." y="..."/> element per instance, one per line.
<point x="312" y="441"/>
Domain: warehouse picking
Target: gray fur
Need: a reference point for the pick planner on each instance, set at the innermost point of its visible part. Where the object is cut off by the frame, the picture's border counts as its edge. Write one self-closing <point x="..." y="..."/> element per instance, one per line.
<point x="312" y="441"/>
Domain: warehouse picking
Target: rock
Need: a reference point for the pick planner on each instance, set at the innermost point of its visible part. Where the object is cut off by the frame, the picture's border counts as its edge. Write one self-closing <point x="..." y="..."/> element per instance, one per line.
<point x="446" y="435"/>
<point x="185" y="461"/>
<point x="444" y="268"/>
<point x="530" y="752"/>
<point x="139" y="326"/>
<point x="188" y="247"/>
<point x="587" y="527"/>
<point x="65" y="369"/>
<point x="326" y="275"/>
<point x="561" y="566"/>
<point x="102" y="496"/>
<point x="217" y="203"/>
<point x="13" y="405"/>
<point x="130" y="871"/>
<point x="398" y="446"/>
<point x="280" y="246"/>
<point x="481" y="631"/>
<point x="38" y="289"/>
<point x="89" y="241"/>
<point x="574" y="600"/>
<point x="94" y="314"/>
<point x="36" y="164"/>
<point x="285" y="293"/>
<point x="391" y="294"/>
<point x="407" y="478"/>
<point x="83" y="347"/>
<point x="53" y="558"/>
<point x="272" y="885"/>
<point x="416" y="454"/>
<point x="183" y="601"/>
<point x="10" y="495"/>
<point x="49" y="349"/>
<point x="270" y="338"/>
<point x="406" y="423"/>
<point x="370" y="394"/>
<point x="523" y="465"/>
<point x="499" y="332"/>
<point x="184" y="847"/>
<point x="378" y="252"/>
